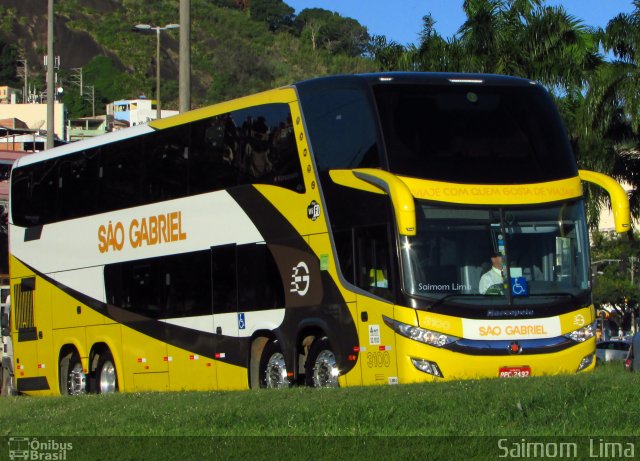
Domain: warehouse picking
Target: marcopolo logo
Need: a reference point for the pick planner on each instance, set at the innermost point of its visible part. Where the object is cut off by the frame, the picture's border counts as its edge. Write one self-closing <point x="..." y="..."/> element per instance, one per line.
<point x="34" y="449"/>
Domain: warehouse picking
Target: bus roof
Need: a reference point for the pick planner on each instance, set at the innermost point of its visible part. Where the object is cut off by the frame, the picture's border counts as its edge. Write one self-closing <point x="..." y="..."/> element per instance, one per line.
<point x="84" y="144"/>
<point x="316" y="84"/>
<point x="433" y="78"/>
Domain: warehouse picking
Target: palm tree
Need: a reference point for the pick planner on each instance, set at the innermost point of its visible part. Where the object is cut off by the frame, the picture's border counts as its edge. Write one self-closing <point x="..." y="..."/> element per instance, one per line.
<point x="528" y="39"/>
<point x="607" y="122"/>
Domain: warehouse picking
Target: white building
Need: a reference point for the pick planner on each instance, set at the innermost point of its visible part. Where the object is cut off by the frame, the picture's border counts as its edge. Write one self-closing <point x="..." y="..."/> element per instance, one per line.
<point x="137" y="111"/>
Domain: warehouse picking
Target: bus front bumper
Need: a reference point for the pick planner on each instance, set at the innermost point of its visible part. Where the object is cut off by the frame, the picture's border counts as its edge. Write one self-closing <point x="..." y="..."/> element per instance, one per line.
<point x="419" y="362"/>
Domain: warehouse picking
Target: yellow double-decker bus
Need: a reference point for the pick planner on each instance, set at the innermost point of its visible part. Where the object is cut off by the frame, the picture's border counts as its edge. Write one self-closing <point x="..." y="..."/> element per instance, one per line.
<point x="334" y="232"/>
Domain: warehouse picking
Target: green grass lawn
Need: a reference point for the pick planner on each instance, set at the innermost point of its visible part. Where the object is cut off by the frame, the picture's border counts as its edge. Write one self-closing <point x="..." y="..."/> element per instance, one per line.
<point x="604" y="403"/>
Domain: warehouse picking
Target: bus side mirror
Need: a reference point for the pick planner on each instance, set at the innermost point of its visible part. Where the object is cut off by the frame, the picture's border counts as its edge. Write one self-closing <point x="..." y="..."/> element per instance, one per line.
<point x="618" y="196"/>
<point x="380" y="181"/>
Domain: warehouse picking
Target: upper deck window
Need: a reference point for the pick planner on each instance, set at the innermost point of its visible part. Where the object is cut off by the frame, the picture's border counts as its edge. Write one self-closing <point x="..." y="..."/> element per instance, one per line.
<point x="473" y="133"/>
<point x="342" y="130"/>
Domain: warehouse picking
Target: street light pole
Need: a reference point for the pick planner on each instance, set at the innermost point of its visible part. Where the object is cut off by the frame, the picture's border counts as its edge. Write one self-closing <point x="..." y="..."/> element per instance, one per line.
<point x="184" y="82"/>
<point x="158" y="29"/>
<point x="51" y="91"/>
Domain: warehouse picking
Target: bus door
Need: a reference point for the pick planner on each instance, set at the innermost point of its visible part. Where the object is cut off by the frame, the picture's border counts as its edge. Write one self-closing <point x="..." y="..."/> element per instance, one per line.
<point x="188" y="306"/>
<point x="224" y="292"/>
<point x="374" y="275"/>
<point x="145" y="355"/>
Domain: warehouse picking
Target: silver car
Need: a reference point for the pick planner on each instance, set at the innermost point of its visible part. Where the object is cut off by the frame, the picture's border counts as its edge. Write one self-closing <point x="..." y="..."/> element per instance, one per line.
<point x="607" y="351"/>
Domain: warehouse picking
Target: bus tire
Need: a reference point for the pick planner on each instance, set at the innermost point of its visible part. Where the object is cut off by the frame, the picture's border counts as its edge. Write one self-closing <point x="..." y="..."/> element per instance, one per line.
<point x="321" y="369"/>
<point x="106" y="375"/>
<point x="273" y="367"/>
<point x="73" y="380"/>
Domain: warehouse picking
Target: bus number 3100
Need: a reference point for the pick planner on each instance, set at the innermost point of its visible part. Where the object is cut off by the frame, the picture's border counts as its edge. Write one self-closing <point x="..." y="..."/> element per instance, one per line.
<point x="378" y="359"/>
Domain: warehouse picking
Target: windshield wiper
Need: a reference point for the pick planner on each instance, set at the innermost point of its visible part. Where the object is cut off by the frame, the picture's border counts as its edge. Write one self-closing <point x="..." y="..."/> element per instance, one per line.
<point x="441" y="300"/>
<point x="573" y="297"/>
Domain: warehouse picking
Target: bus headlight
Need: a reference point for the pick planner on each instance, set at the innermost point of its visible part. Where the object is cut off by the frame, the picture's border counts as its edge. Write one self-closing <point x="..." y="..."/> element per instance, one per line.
<point x="582" y="334"/>
<point x="585" y="362"/>
<point x="426" y="366"/>
<point x="429" y="337"/>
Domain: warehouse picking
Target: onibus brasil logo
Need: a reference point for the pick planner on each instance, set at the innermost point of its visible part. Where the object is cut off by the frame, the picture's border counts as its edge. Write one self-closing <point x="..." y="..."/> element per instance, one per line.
<point x="34" y="449"/>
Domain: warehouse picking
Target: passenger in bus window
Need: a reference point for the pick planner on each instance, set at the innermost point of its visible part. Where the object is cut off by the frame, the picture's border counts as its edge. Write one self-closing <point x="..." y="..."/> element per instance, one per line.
<point x="258" y="148"/>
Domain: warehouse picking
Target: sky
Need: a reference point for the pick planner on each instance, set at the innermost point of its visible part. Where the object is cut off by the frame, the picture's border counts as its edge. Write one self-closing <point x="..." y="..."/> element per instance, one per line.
<point x="401" y="20"/>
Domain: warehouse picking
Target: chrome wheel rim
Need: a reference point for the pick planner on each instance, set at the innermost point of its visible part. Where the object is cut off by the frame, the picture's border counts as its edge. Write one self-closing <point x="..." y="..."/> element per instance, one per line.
<point x="276" y="372"/>
<point x="77" y="382"/>
<point x="325" y="370"/>
<point x="107" y="378"/>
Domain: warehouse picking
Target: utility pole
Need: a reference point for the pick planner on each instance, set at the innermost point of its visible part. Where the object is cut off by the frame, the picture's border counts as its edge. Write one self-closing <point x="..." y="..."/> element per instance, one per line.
<point x="184" y="81"/>
<point x="76" y="77"/>
<point x="24" y="73"/>
<point x="158" y="103"/>
<point x="51" y="90"/>
<point x="91" y="97"/>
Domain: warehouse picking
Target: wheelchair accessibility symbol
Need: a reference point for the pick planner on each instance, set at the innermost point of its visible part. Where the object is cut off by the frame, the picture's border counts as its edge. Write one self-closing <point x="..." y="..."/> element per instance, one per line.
<point x="519" y="286"/>
<point x="241" y="322"/>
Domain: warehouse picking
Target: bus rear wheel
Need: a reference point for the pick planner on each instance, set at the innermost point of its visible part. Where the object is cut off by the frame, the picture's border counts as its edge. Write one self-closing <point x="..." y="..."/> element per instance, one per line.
<point x="321" y="369"/>
<point x="106" y="376"/>
<point x="73" y="380"/>
<point x="273" y="367"/>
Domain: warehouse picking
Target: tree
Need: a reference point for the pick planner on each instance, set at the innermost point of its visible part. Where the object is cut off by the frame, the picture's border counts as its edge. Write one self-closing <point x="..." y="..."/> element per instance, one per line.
<point x="8" y="64"/>
<point x="527" y="39"/>
<point x="607" y="127"/>
<point x="277" y="14"/>
<point x="387" y="55"/>
<point x="333" y="32"/>
<point x="614" y="281"/>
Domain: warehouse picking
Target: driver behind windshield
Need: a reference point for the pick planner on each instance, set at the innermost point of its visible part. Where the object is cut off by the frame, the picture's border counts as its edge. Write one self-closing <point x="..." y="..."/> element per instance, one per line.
<point x="493" y="276"/>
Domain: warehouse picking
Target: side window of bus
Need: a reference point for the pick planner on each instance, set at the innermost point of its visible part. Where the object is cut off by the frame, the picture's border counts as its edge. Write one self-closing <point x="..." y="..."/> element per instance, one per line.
<point x="187" y="283"/>
<point x="21" y="206"/>
<point x="249" y="146"/>
<point x="164" y="287"/>
<point x="165" y="165"/>
<point x="373" y="263"/>
<point x="342" y="130"/>
<point x="344" y="248"/>
<point x="132" y="285"/>
<point x="77" y="182"/>
<point x="213" y="149"/>
<point x="120" y="175"/>
<point x="43" y="195"/>
<point x="224" y="279"/>
<point x="267" y="147"/>
<point x="259" y="282"/>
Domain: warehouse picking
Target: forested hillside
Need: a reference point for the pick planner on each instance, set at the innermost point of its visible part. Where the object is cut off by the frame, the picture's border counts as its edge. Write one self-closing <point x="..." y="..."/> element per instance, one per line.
<point x="237" y="48"/>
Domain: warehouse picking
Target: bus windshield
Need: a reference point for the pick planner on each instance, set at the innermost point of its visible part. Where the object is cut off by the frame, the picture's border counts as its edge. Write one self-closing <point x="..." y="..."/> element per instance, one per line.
<point x="543" y="249"/>
<point x="493" y="135"/>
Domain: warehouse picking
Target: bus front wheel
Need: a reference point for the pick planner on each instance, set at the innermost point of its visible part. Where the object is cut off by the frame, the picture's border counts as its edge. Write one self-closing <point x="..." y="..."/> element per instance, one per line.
<point x="273" y="368"/>
<point x="321" y="369"/>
